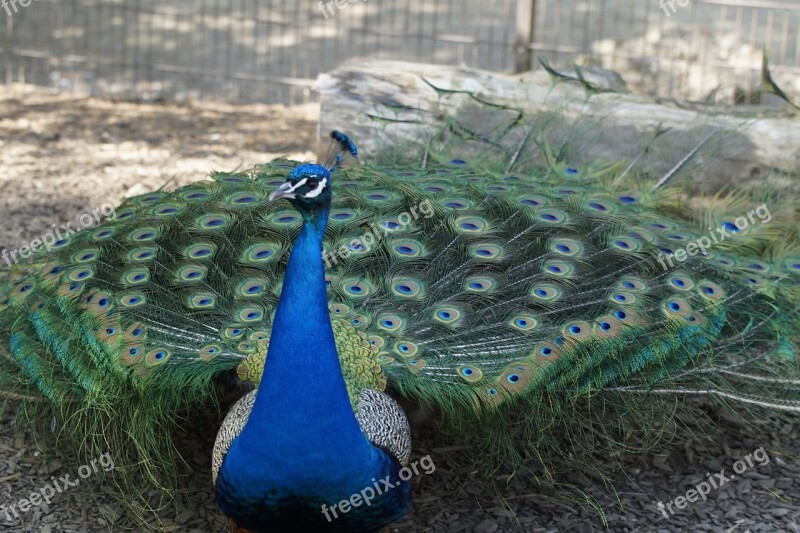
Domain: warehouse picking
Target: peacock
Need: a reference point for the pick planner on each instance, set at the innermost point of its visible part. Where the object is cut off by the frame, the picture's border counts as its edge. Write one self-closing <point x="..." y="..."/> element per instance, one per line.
<point x="489" y="272"/>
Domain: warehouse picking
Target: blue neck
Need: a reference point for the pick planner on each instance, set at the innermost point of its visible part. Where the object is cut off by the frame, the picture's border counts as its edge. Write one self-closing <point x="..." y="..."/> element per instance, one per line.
<point x="302" y="404"/>
<point x="302" y="447"/>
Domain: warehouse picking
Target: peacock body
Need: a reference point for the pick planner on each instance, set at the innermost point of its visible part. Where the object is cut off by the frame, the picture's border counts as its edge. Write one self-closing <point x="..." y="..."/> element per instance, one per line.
<point x="498" y="284"/>
<point x="272" y="476"/>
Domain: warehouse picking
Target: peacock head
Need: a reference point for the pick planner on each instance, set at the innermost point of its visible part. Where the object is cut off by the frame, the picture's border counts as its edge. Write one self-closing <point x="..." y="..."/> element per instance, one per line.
<point x="308" y="186"/>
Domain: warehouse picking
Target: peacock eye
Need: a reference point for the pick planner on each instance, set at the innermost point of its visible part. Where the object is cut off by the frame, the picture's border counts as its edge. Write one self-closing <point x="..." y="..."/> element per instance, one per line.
<point x="312" y="184"/>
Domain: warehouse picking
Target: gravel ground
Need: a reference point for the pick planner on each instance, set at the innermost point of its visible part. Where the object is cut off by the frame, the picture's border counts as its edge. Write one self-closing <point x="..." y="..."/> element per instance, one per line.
<point x="63" y="155"/>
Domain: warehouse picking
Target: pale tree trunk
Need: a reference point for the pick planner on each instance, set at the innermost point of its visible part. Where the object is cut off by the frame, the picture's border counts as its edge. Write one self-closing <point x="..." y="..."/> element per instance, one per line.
<point x="396" y="98"/>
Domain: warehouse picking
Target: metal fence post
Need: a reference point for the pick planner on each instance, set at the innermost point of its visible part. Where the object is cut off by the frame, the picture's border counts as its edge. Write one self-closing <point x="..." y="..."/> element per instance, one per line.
<point x="526" y="22"/>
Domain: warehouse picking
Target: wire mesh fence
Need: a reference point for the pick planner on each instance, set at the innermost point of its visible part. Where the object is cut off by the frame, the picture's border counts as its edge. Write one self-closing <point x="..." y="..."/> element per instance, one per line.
<point x="272" y="51"/>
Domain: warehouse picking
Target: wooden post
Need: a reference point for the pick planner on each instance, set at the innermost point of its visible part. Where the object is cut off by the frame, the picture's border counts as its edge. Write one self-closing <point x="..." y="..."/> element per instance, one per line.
<point x="9" y="50"/>
<point x="526" y="22"/>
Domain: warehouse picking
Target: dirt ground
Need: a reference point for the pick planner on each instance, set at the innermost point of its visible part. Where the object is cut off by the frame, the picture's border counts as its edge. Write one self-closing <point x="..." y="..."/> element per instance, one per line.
<point x="63" y="155"/>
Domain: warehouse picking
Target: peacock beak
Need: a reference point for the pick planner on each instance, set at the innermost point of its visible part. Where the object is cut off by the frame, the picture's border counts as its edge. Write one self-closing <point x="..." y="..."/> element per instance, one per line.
<point x="284" y="191"/>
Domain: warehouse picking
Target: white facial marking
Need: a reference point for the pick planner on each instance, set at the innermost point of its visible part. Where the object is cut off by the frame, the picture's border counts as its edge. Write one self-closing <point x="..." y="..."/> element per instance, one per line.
<point x="294" y="187"/>
<point x="316" y="192"/>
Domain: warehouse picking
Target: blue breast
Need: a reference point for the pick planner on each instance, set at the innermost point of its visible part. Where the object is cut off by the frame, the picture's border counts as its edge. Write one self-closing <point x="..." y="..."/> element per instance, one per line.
<point x="302" y="450"/>
<point x="322" y="501"/>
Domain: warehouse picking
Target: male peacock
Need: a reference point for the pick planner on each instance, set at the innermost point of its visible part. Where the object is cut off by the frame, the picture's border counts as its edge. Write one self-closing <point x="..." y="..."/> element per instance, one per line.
<point x="486" y="275"/>
<point x="276" y="465"/>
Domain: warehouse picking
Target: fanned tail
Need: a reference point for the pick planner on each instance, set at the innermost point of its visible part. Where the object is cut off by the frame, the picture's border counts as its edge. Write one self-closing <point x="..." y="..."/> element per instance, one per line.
<point x="539" y="194"/>
<point x="545" y="296"/>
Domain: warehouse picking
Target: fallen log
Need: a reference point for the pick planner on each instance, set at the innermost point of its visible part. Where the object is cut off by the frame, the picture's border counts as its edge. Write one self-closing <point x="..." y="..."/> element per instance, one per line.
<point x="378" y="101"/>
